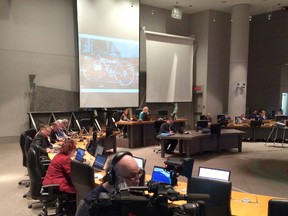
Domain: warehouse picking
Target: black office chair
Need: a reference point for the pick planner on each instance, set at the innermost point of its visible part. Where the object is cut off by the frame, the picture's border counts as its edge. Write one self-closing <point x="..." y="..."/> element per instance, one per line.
<point x="30" y="132"/>
<point x="24" y="157"/>
<point x="220" y="194"/>
<point x="157" y="125"/>
<point x="277" y="207"/>
<point x="48" y="195"/>
<point x="82" y="176"/>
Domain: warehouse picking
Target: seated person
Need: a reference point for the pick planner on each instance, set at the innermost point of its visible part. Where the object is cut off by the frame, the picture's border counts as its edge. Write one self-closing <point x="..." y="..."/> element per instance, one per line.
<point x="254" y="114"/>
<point x="169" y="144"/>
<point x="206" y="117"/>
<point x="58" y="172"/>
<point x="41" y="140"/>
<point x="53" y="135"/>
<point x="122" y="169"/>
<point x="125" y="117"/>
<point x="263" y="115"/>
<point x="62" y="131"/>
<point x="144" y="115"/>
<point x="59" y="169"/>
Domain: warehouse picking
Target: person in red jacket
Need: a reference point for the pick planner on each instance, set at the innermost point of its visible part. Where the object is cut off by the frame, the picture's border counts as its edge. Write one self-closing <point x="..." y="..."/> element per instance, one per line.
<point x="58" y="171"/>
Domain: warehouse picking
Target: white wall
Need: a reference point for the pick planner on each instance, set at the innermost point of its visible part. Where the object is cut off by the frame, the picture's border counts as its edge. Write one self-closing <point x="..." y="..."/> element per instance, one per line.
<point x="37" y="37"/>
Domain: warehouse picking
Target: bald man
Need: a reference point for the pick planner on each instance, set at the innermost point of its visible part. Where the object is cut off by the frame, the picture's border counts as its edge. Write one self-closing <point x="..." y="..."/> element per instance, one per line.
<point x="126" y="170"/>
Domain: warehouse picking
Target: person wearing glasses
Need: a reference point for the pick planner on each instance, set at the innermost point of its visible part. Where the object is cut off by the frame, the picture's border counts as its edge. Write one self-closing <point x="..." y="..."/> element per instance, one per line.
<point x="125" y="172"/>
<point x="41" y="140"/>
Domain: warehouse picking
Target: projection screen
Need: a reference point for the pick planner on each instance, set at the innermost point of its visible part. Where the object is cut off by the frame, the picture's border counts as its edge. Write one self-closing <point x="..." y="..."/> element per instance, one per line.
<point x="169" y="67"/>
<point x="108" y="44"/>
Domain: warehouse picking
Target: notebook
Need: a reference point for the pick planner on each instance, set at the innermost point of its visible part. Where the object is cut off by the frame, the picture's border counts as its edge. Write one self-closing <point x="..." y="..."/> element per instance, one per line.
<point x="141" y="162"/>
<point x="214" y="173"/>
<point x="161" y="175"/>
<point x="80" y="154"/>
<point x="99" y="162"/>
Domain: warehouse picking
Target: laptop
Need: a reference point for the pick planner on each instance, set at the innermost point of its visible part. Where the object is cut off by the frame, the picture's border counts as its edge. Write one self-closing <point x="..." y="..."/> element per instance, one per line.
<point x="99" y="162"/>
<point x="99" y="150"/>
<point x="161" y="175"/>
<point x="214" y="173"/>
<point x="140" y="161"/>
<point x="80" y="154"/>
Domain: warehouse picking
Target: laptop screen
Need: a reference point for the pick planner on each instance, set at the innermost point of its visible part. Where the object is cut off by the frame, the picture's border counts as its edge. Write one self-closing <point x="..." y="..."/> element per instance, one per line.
<point x="161" y="175"/>
<point x="140" y="162"/>
<point x="80" y="154"/>
<point x="214" y="173"/>
<point x="99" y="162"/>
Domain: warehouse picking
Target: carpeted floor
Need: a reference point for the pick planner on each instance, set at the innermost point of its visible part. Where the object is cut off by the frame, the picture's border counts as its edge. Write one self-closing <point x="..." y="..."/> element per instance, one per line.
<point x="258" y="169"/>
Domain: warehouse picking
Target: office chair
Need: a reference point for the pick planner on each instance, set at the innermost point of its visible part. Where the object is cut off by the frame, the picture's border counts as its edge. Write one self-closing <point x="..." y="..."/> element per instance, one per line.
<point x="277" y="207"/>
<point x="24" y="157"/>
<point x="82" y="176"/>
<point x="30" y="132"/>
<point x="220" y="194"/>
<point x="157" y="125"/>
<point x="48" y="195"/>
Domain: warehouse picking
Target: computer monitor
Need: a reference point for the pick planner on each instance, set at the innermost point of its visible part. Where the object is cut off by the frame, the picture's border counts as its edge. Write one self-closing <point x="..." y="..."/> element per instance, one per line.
<point x="161" y="175"/>
<point x="202" y="124"/>
<point x="80" y="154"/>
<point x="146" y="117"/>
<point x="140" y="161"/>
<point x="281" y="118"/>
<point x="162" y="113"/>
<point x="214" y="173"/>
<point x="99" y="162"/>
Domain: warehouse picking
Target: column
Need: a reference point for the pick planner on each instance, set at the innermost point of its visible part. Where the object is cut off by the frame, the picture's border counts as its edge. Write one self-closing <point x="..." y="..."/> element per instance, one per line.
<point x="238" y="59"/>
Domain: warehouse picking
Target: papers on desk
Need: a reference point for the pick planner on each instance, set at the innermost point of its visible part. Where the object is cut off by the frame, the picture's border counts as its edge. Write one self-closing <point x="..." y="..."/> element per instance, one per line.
<point x="165" y="134"/>
<point x="98" y="176"/>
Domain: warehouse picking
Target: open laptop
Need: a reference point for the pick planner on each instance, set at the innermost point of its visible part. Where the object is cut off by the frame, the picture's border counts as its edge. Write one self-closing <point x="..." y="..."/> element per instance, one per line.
<point x="214" y="173"/>
<point x="99" y="150"/>
<point x="161" y="175"/>
<point x="140" y="161"/>
<point x="99" y="162"/>
<point x="80" y="154"/>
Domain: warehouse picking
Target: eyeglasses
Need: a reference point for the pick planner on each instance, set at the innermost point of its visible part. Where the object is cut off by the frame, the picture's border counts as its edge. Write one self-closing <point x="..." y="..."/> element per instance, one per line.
<point x="136" y="176"/>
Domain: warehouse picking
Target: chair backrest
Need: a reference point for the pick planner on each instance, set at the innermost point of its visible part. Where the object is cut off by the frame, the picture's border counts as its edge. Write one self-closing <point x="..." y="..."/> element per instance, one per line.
<point x="82" y="176"/>
<point x="28" y="141"/>
<point x="22" y="146"/>
<point x="34" y="173"/>
<point x="277" y="207"/>
<point x="157" y="125"/>
<point x="220" y="194"/>
<point x="31" y="132"/>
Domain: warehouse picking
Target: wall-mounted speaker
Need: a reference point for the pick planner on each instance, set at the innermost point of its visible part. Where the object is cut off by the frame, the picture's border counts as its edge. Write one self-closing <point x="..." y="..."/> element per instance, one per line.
<point x="176" y="13"/>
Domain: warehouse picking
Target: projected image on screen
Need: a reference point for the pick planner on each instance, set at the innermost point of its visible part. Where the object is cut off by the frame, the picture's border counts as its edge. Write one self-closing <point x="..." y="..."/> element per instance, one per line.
<point x="107" y="63"/>
<point x="108" y="45"/>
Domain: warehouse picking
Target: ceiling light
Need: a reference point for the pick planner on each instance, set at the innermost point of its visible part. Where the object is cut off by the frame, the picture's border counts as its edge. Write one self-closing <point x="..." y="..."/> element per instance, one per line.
<point x="176" y="13"/>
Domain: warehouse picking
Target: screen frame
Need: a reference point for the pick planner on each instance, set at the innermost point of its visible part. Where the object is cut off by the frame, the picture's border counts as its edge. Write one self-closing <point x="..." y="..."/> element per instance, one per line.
<point x="216" y="170"/>
<point x="154" y="172"/>
<point x="98" y="156"/>
<point x="80" y="150"/>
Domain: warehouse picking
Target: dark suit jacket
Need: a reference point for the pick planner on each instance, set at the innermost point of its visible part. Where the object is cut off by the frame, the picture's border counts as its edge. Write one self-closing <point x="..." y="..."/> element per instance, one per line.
<point x="42" y="143"/>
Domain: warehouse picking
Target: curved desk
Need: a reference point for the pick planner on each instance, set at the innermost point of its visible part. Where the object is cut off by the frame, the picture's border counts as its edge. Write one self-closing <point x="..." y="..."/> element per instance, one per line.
<point x="197" y="142"/>
<point x="142" y="133"/>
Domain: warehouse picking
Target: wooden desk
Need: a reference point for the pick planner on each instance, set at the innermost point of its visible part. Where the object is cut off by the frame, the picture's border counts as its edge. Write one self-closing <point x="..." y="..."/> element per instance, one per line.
<point x="142" y="133"/>
<point x="196" y="142"/>
<point x="242" y="204"/>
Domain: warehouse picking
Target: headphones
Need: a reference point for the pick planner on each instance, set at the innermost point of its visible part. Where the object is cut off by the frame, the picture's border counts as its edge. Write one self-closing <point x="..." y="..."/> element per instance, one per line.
<point x="110" y="176"/>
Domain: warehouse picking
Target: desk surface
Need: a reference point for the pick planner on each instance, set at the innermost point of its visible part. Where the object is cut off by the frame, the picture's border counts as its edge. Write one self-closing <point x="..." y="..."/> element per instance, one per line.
<point x="194" y="134"/>
<point x="146" y="122"/>
<point x="242" y="204"/>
